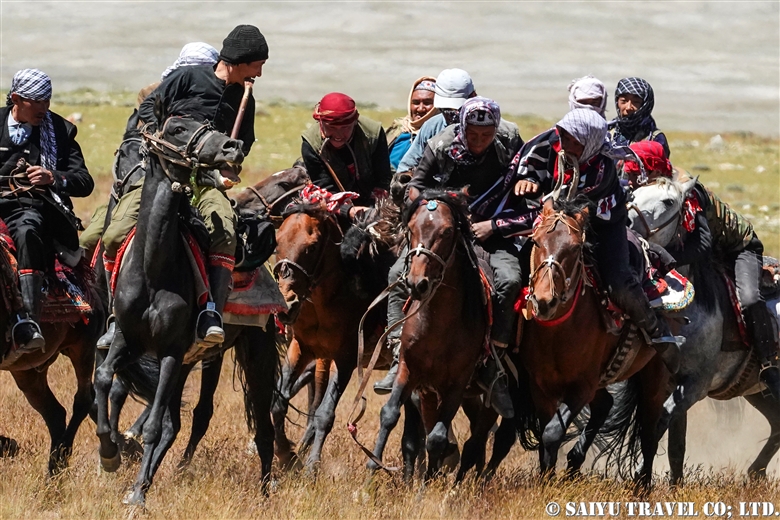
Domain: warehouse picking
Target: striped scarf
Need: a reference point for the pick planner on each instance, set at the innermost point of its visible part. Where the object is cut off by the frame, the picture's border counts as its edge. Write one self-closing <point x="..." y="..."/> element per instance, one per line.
<point x="35" y="85"/>
<point x="640" y="123"/>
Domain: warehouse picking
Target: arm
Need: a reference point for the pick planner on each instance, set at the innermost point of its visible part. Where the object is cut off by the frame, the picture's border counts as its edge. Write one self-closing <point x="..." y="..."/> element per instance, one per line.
<point x="75" y="179"/>
<point x="424" y="175"/>
<point x="173" y="87"/>
<point x="318" y="172"/>
<point x="414" y="155"/>
<point x="697" y="246"/>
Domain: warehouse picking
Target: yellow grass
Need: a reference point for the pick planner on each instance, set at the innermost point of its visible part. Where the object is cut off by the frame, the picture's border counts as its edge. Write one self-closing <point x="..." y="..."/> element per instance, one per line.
<point x="223" y="479"/>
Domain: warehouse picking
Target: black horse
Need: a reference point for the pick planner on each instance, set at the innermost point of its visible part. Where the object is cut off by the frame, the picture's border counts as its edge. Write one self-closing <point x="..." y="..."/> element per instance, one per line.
<point x="156" y="305"/>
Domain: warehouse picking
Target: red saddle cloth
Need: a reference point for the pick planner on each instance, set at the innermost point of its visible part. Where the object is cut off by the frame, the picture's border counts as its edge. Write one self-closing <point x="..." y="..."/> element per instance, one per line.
<point x="67" y="288"/>
<point x="196" y="256"/>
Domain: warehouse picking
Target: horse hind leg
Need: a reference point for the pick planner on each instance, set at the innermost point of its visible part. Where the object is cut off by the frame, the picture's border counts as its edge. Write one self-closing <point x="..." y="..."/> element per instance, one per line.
<point x="770" y="409"/>
<point x="599" y="411"/>
<point x="204" y="410"/>
<point x="36" y="389"/>
<point x="412" y="439"/>
<point x="504" y="439"/>
<point x="482" y="420"/>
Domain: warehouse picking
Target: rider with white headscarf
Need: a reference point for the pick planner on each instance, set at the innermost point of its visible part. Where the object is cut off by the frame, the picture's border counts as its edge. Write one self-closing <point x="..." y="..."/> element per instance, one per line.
<point x="577" y="148"/>
<point x="588" y="92"/>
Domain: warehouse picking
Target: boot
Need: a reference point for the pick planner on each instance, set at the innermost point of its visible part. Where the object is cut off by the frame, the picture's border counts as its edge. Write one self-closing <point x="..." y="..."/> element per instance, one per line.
<point x="385" y="385"/>
<point x="763" y="336"/>
<point x="665" y="343"/>
<point x="26" y="332"/>
<point x="210" y="330"/>
<point x="495" y="382"/>
<point x="104" y="342"/>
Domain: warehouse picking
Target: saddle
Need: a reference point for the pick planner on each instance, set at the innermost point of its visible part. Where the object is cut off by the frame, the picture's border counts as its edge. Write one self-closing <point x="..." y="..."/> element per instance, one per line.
<point x="67" y="288"/>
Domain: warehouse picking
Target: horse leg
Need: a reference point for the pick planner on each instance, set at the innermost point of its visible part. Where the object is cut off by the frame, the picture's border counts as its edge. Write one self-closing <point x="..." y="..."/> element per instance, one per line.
<point x="481" y="421"/>
<point x="294" y="364"/>
<point x="412" y="439"/>
<point x="438" y="438"/>
<point x="326" y="412"/>
<point x="120" y="354"/>
<point x="770" y="409"/>
<point x="8" y="447"/>
<point x="678" y="429"/>
<point x="503" y="440"/>
<point x="82" y="357"/>
<point x="36" y="389"/>
<point x="389" y="415"/>
<point x="553" y="436"/>
<point x="155" y="438"/>
<point x="654" y="379"/>
<point x="257" y="357"/>
<point x="317" y="389"/>
<point x="204" y="410"/>
<point x="599" y="410"/>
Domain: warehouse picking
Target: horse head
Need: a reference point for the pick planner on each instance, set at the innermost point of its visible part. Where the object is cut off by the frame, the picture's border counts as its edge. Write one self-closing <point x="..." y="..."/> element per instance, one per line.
<point x="185" y="145"/>
<point x="437" y="221"/>
<point x="557" y="266"/>
<point x="270" y="196"/>
<point x="656" y="209"/>
<point x="307" y="238"/>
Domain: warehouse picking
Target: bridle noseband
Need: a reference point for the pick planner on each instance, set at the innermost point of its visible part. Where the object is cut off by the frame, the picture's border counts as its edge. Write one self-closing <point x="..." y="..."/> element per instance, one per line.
<point x="420" y="249"/>
<point x="674" y="218"/>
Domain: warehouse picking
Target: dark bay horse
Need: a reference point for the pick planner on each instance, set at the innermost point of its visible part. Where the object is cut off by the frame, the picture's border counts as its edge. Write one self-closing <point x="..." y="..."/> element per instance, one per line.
<point x="714" y="362"/>
<point x="30" y="372"/>
<point x="445" y="331"/>
<point x="327" y="289"/>
<point x="566" y="348"/>
<point x="156" y="306"/>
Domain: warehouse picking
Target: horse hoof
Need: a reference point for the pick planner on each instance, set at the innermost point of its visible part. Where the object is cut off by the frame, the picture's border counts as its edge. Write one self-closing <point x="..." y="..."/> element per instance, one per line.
<point x="135" y="499"/>
<point x="111" y="464"/>
<point x="8" y="447"/>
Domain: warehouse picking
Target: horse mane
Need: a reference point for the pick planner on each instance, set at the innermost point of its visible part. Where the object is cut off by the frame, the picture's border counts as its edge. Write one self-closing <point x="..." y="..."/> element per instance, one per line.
<point x="316" y="210"/>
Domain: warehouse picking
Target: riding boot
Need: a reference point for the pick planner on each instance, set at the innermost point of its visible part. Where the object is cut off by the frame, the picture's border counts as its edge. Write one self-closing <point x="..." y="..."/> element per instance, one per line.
<point x="210" y="329"/>
<point x="26" y="332"/>
<point x="763" y="336"/>
<point x="104" y="342"/>
<point x="385" y="385"/>
<point x="666" y="344"/>
<point x="494" y="380"/>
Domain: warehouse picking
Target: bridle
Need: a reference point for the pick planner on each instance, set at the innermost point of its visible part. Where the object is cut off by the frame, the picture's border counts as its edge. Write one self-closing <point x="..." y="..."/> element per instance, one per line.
<point x="420" y="249"/>
<point x="269" y="206"/>
<point x="577" y="276"/>
<point x="284" y="267"/>
<point x="674" y="218"/>
<point x="185" y="156"/>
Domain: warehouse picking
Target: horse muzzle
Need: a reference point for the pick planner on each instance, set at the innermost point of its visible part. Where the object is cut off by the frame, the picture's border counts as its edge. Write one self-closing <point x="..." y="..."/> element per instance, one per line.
<point x="419" y="289"/>
<point x="292" y="313"/>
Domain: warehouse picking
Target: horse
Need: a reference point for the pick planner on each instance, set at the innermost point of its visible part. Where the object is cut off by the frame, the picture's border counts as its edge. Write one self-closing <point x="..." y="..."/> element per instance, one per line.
<point x="445" y="331"/>
<point x="566" y="348"/>
<point x="156" y="306"/>
<point x="269" y="197"/>
<point x="328" y="272"/>
<point x="30" y="372"/>
<point x="710" y="359"/>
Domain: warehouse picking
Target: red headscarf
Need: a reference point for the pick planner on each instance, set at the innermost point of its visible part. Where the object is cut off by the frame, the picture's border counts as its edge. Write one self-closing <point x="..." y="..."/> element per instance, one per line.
<point x="336" y="109"/>
<point x="653" y="157"/>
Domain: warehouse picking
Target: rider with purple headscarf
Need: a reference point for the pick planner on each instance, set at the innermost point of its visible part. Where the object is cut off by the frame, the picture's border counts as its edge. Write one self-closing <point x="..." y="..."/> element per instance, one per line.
<point x="577" y="148"/>
<point x="469" y="157"/>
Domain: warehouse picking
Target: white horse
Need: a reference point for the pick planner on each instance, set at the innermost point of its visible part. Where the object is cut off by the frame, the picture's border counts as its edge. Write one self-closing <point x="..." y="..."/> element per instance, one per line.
<point x="711" y="357"/>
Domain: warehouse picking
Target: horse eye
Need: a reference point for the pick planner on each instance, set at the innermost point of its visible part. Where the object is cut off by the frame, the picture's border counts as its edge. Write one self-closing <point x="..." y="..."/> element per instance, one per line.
<point x="668" y="202"/>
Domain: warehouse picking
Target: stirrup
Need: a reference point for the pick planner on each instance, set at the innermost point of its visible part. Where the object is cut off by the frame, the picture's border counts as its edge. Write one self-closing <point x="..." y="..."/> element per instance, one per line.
<point x="37" y="327"/>
<point x="210" y="308"/>
<point x="765" y="365"/>
<point x="677" y="340"/>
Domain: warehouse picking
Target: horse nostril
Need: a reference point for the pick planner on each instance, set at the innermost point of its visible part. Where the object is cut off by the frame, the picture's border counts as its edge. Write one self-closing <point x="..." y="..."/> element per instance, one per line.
<point x="422" y="286"/>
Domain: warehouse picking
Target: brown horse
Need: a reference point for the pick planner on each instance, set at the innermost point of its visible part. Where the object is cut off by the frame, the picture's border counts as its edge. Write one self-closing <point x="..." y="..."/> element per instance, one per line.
<point x="75" y="340"/>
<point x="566" y="348"/>
<point x="445" y="331"/>
<point x="327" y="294"/>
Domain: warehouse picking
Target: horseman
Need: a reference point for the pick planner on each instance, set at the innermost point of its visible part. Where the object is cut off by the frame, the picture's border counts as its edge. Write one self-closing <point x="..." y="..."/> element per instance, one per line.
<point x="211" y="94"/>
<point x="471" y="157"/>
<point x="44" y="167"/>
<point x="345" y="151"/>
<point x="195" y="53"/>
<point x="715" y="231"/>
<point x="634" y="102"/>
<point x="579" y="140"/>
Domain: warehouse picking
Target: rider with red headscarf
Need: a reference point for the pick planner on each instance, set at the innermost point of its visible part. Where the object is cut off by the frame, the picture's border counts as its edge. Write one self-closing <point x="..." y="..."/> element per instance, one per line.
<point x="346" y="151"/>
<point x="714" y="230"/>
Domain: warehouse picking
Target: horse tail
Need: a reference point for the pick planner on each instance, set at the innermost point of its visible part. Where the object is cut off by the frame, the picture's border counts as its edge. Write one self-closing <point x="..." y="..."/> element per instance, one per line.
<point x="142" y="378"/>
<point x="529" y="429"/>
<point x="619" y="438"/>
<point x="269" y="361"/>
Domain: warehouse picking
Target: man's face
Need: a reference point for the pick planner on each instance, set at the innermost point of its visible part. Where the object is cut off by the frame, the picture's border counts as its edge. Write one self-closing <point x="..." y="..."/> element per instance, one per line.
<point x="478" y="138"/>
<point x="421" y="103"/>
<point x="338" y="135"/>
<point x="628" y="104"/>
<point x="29" y="111"/>
<point x="570" y="145"/>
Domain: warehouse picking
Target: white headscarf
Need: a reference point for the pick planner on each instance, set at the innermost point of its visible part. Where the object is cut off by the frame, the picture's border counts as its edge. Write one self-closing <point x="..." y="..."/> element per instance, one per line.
<point x="590" y="130"/>
<point x="588" y="87"/>
<point x="196" y="53"/>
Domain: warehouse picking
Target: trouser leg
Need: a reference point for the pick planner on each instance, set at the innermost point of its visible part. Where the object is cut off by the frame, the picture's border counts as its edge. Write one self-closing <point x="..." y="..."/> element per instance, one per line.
<point x="90" y="237"/>
<point x="507" y="279"/>
<point x="395" y="312"/>
<point x="123" y="219"/>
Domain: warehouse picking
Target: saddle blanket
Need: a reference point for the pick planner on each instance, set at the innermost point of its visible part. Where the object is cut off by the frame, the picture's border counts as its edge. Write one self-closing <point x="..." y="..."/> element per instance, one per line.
<point x="67" y="288"/>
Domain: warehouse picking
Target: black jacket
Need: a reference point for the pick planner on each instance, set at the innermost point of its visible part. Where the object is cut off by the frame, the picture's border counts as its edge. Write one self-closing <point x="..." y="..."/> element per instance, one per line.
<point x="71" y="177"/>
<point x="197" y="92"/>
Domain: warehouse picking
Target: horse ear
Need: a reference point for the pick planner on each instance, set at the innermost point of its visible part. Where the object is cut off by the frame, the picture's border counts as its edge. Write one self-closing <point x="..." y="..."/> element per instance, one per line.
<point x="547" y="208"/>
<point x="159" y="110"/>
<point x="688" y="185"/>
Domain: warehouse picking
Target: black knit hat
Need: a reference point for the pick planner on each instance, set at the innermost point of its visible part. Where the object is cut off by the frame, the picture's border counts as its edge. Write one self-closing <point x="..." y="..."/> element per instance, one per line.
<point x="244" y="44"/>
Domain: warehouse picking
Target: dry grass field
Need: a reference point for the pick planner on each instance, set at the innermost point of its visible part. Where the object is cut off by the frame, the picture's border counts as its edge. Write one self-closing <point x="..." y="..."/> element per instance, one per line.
<point x="222" y="481"/>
